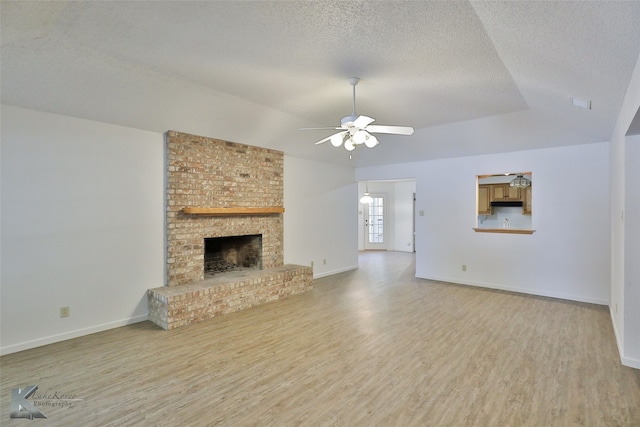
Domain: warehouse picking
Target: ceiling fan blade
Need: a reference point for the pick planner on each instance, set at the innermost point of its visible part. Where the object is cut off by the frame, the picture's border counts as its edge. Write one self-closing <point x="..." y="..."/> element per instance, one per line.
<point x="325" y="128"/>
<point x="394" y="130"/>
<point x="322" y="141"/>
<point x="363" y="121"/>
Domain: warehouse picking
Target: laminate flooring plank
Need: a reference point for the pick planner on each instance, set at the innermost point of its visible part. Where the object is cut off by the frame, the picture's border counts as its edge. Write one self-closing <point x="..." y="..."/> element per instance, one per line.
<point x="370" y="347"/>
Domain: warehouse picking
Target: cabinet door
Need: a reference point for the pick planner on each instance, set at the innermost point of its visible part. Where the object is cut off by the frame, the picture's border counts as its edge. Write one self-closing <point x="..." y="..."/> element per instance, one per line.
<point x="505" y="193"/>
<point x="526" y="201"/>
<point x="513" y="193"/>
<point x="484" y="202"/>
<point x="498" y="192"/>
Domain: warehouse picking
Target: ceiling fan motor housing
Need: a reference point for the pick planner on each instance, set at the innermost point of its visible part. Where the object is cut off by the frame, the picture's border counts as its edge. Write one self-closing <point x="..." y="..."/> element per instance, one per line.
<point x="347" y="121"/>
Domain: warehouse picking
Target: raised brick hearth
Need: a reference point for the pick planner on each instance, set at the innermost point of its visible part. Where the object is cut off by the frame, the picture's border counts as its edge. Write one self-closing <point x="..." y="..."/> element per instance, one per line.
<point x="174" y="306"/>
<point x="210" y="173"/>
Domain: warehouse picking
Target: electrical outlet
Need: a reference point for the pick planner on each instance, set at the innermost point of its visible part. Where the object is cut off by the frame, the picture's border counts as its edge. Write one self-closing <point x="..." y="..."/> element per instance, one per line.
<point x="64" y="312"/>
<point x="324" y="262"/>
<point x="464" y="267"/>
<point x="311" y="264"/>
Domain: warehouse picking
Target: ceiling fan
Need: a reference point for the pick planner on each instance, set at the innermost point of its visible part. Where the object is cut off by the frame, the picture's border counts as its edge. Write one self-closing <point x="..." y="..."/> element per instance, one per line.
<point x="356" y="130"/>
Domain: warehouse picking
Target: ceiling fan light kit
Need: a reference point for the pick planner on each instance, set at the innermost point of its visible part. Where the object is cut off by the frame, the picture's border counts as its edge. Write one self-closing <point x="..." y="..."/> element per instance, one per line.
<point x="337" y="139"/>
<point x="357" y="130"/>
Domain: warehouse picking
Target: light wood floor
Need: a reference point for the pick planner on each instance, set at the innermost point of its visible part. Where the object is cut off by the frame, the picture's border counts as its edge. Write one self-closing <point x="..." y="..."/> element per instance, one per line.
<point x="371" y="347"/>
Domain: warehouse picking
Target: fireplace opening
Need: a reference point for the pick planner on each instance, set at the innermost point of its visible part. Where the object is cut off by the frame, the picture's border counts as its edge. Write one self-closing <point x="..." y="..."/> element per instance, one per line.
<point x="232" y="253"/>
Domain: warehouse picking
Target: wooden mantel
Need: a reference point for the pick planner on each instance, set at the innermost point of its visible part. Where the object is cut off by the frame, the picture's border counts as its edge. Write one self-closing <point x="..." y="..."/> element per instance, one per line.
<point x="232" y="211"/>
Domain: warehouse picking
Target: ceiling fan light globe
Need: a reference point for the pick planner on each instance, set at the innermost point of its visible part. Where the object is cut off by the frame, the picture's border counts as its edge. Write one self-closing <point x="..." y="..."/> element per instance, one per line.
<point x="348" y="145"/>
<point x="371" y="141"/>
<point x="360" y="137"/>
<point x="336" y="140"/>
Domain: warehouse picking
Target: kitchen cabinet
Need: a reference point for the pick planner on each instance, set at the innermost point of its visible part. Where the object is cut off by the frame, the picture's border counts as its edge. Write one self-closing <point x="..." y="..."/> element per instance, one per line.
<point x="484" y="199"/>
<point x="505" y="193"/>
<point x="526" y="201"/>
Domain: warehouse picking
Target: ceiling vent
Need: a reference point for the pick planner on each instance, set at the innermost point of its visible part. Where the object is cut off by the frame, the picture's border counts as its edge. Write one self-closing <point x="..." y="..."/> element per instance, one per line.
<point x="582" y="103"/>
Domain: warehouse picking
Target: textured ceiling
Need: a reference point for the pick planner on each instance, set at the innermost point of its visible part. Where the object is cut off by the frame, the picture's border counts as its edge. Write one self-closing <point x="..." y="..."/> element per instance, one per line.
<point x="471" y="77"/>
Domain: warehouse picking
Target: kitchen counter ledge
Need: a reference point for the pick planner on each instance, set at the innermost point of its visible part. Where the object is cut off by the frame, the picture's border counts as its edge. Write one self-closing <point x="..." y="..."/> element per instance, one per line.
<point x="504" y="230"/>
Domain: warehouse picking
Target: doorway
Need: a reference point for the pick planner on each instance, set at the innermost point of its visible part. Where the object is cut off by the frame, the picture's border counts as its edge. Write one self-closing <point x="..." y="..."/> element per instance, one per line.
<point x="375" y="229"/>
<point x="388" y="223"/>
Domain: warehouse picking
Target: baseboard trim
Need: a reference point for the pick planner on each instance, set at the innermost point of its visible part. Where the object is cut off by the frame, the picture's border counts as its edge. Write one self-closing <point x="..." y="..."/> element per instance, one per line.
<point x="332" y="272"/>
<point x="519" y="290"/>
<point x="630" y="362"/>
<point x="14" y="348"/>
<point x="626" y="361"/>
<point x="616" y="335"/>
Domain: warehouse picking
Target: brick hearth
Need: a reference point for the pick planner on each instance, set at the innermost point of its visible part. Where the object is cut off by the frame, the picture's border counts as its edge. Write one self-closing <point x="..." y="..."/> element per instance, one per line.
<point x="210" y="173"/>
<point x="174" y="306"/>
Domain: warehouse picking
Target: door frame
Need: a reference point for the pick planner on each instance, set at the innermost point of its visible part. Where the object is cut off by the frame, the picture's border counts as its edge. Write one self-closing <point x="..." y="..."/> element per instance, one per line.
<point x="385" y="229"/>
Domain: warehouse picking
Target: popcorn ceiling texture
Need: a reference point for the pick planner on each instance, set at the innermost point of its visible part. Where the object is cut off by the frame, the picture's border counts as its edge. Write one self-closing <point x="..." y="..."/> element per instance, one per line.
<point x="208" y="172"/>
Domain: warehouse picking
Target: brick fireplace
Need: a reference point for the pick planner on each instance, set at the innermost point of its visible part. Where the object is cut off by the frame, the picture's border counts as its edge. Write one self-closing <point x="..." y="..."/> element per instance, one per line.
<point x="207" y="172"/>
<point x="222" y="191"/>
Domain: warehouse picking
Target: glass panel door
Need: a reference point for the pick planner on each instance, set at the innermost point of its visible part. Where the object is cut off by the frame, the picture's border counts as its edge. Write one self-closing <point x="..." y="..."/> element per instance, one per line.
<point x="375" y="230"/>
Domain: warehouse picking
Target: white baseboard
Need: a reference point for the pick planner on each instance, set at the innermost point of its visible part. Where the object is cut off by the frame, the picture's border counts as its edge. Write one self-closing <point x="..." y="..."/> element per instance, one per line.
<point x="616" y="334"/>
<point x="520" y="290"/>
<point x="14" y="348"/>
<point x="630" y="362"/>
<point x="626" y="361"/>
<point x="332" y="272"/>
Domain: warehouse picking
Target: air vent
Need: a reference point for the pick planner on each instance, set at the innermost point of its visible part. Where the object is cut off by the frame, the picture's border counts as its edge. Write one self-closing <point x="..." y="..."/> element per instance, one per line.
<point x="582" y="103"/>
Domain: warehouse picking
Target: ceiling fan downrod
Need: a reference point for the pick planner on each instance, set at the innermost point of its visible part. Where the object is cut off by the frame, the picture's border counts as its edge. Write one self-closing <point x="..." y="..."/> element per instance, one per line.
<point x="354" y="81"/>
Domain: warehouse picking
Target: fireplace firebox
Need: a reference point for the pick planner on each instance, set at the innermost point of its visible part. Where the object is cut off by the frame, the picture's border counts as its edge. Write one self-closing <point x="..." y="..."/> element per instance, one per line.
<point x="232" y="253"/>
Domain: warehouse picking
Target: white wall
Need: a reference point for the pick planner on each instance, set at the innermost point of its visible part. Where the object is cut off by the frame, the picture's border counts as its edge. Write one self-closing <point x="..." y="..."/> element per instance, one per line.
<point x="568" y="255"/>
<point x="82" y="226"/>
<point x="320" y="219"/>
<point x="632" y="252"/>
<point x="403" y="207"/>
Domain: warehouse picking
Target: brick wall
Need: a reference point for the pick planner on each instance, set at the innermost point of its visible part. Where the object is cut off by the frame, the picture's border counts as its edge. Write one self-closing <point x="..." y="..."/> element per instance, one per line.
<point x="207" y="172"/>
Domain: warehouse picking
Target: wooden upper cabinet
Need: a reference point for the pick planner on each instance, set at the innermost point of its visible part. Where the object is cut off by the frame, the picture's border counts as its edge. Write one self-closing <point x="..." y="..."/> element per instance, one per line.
<point x="514" y="193"/>
<point x="505" y="193"/>
<point x="526" y="201"/>
<point x="484" y="199"/>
